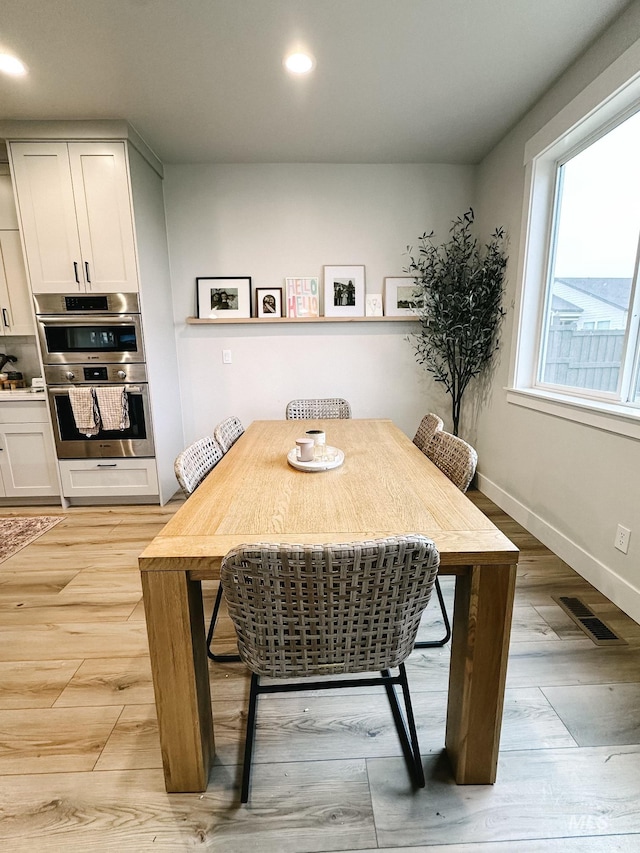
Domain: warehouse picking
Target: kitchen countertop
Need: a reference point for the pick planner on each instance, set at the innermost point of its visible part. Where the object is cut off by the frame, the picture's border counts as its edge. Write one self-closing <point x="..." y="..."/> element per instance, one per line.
<point x="22" y="394"/>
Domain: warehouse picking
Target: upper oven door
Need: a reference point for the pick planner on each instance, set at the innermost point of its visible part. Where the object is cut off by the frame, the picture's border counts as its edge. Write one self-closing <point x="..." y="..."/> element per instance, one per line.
<point x="107" y="338"/>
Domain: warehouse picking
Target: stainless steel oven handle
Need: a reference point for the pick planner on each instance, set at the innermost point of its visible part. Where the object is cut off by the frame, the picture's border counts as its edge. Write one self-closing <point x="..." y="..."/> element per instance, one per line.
<point x="88" y="319"/>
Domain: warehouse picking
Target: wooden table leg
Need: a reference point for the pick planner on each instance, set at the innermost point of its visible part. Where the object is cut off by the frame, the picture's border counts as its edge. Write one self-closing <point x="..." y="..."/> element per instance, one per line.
<point x="175" y="626"/>
<point x="479" y="652"/>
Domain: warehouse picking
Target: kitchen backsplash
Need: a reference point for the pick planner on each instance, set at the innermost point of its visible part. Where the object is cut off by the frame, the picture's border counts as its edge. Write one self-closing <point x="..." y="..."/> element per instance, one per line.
<point x="25" y="350"/>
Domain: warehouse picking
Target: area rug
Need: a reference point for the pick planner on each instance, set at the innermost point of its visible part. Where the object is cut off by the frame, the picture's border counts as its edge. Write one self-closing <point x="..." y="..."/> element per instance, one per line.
<point x="16" y="531"/>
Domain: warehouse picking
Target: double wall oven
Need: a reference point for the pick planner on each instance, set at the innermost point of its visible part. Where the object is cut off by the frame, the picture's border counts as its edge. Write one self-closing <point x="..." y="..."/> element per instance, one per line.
<point x="93" y="340"/>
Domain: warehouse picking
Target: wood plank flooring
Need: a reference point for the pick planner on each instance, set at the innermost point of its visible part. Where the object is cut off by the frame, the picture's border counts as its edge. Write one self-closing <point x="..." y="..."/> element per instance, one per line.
<point x="80" y="763"/>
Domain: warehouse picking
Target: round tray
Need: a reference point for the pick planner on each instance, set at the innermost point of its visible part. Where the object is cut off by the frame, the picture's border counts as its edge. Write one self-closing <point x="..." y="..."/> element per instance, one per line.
<point x="317" y="464"/>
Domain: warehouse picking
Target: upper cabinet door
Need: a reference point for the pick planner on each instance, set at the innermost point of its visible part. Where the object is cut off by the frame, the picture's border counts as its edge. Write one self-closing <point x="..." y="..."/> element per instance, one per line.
<point x="105" y="221"/>
<point x="48" y="216"/>
<point x="75" y="214"/>
<point x="16" y="317"/>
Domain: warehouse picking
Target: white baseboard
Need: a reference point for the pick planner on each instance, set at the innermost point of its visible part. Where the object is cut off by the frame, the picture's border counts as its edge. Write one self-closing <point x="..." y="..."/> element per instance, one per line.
<point x="604" y="579"/>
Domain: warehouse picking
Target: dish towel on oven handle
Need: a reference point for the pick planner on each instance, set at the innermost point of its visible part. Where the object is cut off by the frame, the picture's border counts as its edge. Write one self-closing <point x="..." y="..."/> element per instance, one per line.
<point x="113" y="405"/>
<point x="85" y="410"/>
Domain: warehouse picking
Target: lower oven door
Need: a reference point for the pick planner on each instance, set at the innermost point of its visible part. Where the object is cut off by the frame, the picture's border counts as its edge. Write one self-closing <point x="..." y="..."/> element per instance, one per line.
<point x="136" y="440"/>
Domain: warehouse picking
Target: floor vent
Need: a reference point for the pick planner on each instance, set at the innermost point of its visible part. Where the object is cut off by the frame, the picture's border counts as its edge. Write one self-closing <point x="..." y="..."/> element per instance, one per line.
<point x="594" y="628"/>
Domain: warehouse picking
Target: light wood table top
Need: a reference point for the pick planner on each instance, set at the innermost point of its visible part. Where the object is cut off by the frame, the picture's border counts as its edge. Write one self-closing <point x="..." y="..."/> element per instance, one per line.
<point x="386" y="486"/>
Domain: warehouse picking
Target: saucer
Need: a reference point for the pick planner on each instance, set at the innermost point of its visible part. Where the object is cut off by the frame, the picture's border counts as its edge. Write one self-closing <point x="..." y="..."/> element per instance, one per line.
<point x="316" y="464"/>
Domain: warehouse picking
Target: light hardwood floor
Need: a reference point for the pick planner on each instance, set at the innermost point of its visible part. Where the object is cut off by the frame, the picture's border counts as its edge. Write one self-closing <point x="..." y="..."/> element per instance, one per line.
<point x="80" y="764"/>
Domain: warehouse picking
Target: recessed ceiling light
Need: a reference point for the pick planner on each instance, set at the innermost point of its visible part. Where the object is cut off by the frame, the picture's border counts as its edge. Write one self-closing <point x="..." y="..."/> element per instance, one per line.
<point x="298" y="63"/>
<point x="12" y="65"/>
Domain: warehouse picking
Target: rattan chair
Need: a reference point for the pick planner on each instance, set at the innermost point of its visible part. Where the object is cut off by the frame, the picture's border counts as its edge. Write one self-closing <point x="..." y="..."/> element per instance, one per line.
<point x="457" y="460"/>
<point x="228" y="432"/>
<point x="454" y="457"/>
<point x="328" y="407"/>
<point x="429" y="426"/>
<point x="191" y="467"/>
<point x="195" y="462"/>
<point x="317" y="610"/>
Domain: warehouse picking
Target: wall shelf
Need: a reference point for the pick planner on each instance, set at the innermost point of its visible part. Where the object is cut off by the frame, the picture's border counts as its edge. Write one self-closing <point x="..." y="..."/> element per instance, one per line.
<point x="197" y="321"/>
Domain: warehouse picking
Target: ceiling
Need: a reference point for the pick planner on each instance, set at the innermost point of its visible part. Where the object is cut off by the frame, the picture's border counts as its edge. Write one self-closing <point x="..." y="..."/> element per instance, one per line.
<point x="396" y="81"/>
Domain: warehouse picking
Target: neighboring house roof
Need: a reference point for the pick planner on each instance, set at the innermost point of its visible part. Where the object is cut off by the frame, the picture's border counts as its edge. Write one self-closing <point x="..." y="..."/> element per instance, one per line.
<point x="563" y="305"/>
<point x="614" y="291"/>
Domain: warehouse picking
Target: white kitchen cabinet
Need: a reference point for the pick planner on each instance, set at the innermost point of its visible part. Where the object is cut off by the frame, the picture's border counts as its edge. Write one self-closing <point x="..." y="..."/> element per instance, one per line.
<point x="103" y="478"/>
<point x="27" y="456"/>
<point x="74" y="205"/>
<point x="16" y="317"/>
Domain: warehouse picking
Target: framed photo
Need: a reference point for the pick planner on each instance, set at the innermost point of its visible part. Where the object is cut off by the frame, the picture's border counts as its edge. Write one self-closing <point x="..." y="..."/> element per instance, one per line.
<point x="399" y="296"/>
<point x="268" y="302"/>
<point x="224" y="297"/>
<point x="303" y="297"/>
<point x="373" y="305"/>
<point x="344" y="291"/>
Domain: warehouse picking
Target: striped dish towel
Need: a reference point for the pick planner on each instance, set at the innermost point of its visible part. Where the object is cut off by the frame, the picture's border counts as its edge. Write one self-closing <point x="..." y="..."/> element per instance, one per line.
<point x="113" y="404"/>
<point x="85" y="410"/>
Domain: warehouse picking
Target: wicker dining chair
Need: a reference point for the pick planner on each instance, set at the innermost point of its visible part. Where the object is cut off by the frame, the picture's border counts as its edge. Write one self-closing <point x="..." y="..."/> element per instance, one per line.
<point x="429" y="426"/>
<point x="457" y="460"/>
<point x="228" y="432"/>
<point x="195" y="462"/>
<point x="318" y="610"/>
<point x="327" y="407"/>
<point x="191" y="467"/>
<point x="454" y="457"/>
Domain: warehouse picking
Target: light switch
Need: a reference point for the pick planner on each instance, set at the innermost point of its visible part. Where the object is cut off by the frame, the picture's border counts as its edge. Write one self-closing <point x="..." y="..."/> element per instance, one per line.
<point x="226" y="356"/>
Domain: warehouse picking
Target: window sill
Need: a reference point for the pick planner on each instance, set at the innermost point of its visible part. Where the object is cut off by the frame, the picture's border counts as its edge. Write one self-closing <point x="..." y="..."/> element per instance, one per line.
<point x="611" y="417"/>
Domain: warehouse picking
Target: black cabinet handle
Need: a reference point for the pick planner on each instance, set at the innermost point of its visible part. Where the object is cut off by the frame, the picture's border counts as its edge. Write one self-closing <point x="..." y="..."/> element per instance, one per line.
<point x="110" y="465"/>
<point x="75" y="270"/>
<point x="86" y="270"/>
<point x="5" y="318"/>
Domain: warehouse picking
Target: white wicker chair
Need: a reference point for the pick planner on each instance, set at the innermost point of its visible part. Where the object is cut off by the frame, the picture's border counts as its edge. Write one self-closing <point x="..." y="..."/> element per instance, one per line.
<point x="318" y="610"/>
<point x="327" y="407"/>
<point x="225" y="434"/>
<point x="228" y="432"/>
<point x="429" y="426"/>
<point x="454" y="457"/>
<point x="195" y="462"/>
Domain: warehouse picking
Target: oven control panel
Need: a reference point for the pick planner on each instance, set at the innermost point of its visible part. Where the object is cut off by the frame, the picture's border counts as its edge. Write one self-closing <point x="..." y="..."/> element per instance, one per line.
<point x="94" y="374"/>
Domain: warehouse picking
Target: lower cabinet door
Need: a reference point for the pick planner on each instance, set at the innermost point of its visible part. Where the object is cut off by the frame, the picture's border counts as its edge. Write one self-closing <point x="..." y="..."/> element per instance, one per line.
<point x="27" y="460"/>
<point x="101" y="478"/>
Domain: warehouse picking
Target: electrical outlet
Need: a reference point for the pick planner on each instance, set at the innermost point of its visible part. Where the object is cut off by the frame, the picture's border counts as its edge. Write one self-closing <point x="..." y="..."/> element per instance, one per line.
<point x="621" y="542"/>
<point x="226" y="356"/>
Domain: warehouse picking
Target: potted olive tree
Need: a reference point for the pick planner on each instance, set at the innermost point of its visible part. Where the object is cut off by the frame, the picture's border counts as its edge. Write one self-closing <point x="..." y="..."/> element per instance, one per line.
<point x="459" y="287"/>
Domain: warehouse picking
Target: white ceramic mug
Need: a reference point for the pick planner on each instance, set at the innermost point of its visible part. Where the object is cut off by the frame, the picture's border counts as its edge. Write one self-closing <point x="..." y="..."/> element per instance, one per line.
<point x="319" y="440"/>
<point x="304" y="449"/>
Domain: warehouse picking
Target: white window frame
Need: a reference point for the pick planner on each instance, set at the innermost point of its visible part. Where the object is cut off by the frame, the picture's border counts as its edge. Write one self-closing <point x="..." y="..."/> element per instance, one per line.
<point x="613" y="95"/>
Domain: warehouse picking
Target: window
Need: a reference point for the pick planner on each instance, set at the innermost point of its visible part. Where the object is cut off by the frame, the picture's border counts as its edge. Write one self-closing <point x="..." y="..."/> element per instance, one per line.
<point x="577" y="349"/>
<point x="587" y="341"/>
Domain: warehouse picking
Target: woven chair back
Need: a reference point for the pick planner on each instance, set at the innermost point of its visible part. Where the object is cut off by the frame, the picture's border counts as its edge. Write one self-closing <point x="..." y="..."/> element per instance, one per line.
<point x="194" y="463"/>
<point x="327" y="407"/>
<point x="228" y="432"/>
<point x="454" y="457"/>
<point x="429" y="426"/>
<point x="303" y="610"/>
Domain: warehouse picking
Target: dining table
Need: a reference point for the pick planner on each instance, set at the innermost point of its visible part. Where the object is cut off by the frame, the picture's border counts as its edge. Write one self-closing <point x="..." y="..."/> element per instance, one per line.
<point x="384" y="486"/>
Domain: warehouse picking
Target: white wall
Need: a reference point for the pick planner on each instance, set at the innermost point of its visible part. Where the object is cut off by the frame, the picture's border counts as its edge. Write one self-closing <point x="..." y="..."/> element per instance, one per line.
<point x="273" y="221"/>
<point x="568" y="483"/>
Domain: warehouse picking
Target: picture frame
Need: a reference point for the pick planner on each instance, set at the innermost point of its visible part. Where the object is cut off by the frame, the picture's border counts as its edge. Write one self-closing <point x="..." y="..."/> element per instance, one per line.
<point x="268" y="302"/>
<point x="303" y="297"/>
<point x="223" y="297"/>
<point x="344" y="291"/>
<point x="373" y="305"/>
<point x="397" y="296"/>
